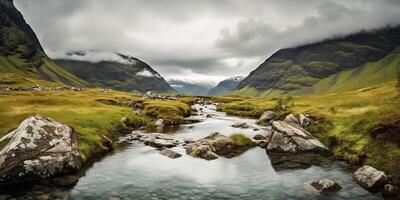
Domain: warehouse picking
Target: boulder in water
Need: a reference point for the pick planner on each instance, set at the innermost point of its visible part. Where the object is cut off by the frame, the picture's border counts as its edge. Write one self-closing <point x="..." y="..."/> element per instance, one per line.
<point x="369" y="177"/>
<point x="243" y="125"/>
<point x="289" y="138"/>
<point x="170" y="153"/>
<point x="215" y="145"/>
<point x="39" y="148"/>
<point x="322" y="186"/>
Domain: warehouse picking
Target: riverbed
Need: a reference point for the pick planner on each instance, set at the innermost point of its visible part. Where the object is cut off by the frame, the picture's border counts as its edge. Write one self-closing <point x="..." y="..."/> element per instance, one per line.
<point x="137" y="171"/>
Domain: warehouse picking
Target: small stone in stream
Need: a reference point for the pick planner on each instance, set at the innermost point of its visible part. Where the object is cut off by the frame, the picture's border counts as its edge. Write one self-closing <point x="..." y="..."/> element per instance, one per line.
<point x="322" y="186"/>
<point x="159" y="143"/>
<point x="188" y="141"/>
<point x="261" y="143"/>
<point x="391" y="190"/>
<point x="256" y="129"/>
<point x="208" y="116"/>
<point x="169" y="153"/>
<point x="243" y="125"/>
<point x="65" y="181"/>
<point x="259" y="137"/>
<point x="369" y="177"/>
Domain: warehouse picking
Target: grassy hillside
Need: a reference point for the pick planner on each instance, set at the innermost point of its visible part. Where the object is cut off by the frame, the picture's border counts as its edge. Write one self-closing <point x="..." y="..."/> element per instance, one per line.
<point x="360" y="126"/>
<point x="371" y="73"/>
<point x="21" y="52"/>
<point x="304" y="66"/>
<point x="93" y="113"/>
<point x="117" y="75"/>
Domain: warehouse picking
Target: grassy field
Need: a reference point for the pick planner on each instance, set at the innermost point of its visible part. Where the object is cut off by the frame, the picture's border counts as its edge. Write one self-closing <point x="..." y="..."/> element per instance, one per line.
<point x="346" y="122"/>
<point x="93" y="113"/>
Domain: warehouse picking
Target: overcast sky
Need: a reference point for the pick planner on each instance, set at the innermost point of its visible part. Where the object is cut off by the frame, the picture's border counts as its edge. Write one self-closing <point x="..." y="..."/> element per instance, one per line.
<point x="198" y="39"/>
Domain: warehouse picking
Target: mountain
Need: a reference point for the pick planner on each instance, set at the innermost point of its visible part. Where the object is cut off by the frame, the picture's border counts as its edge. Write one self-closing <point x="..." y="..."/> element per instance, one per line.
<point x="124" y="73"/>
<point x="226" y="86"/>
<point x="190" y="87"/>
<point x="350" y="62"/>
<point x="21" y="54"/>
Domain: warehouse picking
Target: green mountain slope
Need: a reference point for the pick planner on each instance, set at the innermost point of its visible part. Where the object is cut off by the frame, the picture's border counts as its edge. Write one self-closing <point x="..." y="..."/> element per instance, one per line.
<point x="131" y="74"/>
<point x="303" y="67"/>
<point x="371" y="73"/>
<point x="21" y="53"/>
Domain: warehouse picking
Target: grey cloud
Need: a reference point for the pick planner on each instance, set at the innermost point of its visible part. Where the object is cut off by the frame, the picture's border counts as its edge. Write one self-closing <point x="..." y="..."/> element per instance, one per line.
<point x="256" y="37"/>
<point x="206" y="38"/>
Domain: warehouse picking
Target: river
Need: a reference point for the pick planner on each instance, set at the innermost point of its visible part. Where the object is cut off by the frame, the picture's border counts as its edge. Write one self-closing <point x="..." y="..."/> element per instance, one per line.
<point x="137" y="171"/>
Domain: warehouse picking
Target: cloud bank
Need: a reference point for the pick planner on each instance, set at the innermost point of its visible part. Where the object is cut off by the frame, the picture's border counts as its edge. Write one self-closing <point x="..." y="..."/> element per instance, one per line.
<point x="201" y="39"/>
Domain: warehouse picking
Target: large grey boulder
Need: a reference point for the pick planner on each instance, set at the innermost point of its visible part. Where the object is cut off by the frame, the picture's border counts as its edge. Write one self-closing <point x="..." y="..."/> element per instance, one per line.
<point x="322" y="186"/>
<point x="290" y="138"/>
<point x="369" y="177"/>
<point x="39" y="148"/>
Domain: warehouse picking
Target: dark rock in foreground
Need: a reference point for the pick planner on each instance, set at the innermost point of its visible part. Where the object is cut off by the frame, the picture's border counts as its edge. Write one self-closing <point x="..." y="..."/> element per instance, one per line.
<point x="39" y="148"/>
<point x="215" y="145"/>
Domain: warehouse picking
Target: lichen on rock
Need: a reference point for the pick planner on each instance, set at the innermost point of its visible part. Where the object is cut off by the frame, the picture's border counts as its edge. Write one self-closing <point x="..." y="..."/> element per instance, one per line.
<point x="39" y="148"/>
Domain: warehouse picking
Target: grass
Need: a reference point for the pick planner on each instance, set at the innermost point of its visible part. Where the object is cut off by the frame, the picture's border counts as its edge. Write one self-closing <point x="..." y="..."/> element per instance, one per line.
<point x="172" y="112"/>
<point x="242" y="140"/>
<point x="345" y="121"/>
<point x="93" y="113"/>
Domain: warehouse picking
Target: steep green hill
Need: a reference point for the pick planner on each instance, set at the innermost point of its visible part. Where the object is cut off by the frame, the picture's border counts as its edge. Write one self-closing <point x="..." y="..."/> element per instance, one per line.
<point x="21" y="53"/>
<point x="351" y="62"/>
<point x="129" y="74"/>
<point x="371" y="73"/>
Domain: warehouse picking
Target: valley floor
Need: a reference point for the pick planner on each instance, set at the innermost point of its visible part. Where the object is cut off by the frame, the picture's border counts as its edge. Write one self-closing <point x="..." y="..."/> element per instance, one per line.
<point x="360" y="126"/>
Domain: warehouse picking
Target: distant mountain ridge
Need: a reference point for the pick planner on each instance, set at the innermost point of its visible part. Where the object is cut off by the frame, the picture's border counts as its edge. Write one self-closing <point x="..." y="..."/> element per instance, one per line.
<point x="190" y="87"/>
<point x="226" y="86"/>
<point x="125" y="73"/>
<point x="21" y="53"/>
<point x="295" y="69"/>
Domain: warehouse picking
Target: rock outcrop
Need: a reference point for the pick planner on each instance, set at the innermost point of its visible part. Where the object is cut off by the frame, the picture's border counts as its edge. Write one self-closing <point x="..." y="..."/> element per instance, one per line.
<point x="39" y="148"/>
<point x="289" y="138"/>
<point x="369" y="177"/>
<point x="215" y="145"/>
<point x="322" y="186"/>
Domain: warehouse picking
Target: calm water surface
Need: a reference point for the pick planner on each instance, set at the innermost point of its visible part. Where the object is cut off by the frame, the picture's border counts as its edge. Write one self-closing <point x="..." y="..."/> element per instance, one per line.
<point x="141" y="172"/>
